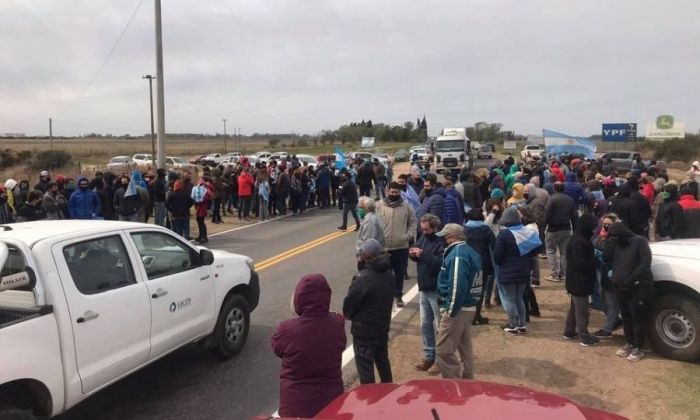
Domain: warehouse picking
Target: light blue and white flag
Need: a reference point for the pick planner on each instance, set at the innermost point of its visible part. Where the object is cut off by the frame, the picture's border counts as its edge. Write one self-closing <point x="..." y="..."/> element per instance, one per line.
<point x="559" y="143"/>
<point x="411" y="197"/>
<point x="339" y="158"/>
<point x="131" y="188"/>
<point x="527" y="239"/>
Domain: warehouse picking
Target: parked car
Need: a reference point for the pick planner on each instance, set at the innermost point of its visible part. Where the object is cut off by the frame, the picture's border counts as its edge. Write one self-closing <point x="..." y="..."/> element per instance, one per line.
<point x="235" y="155"/>
<point x="455" y="399"/>
<point x="85" y="303"/>
<point x="311" y="161"/>
<point x="197" y="160"/>
<point x="622" y="161"/>
<point x="423" y="154"/>
<point x="278" y="156"/>
<point x="383" y="159"/>
<point x="120" y="163"/>
<point x="484" y="153"/>
<point x="674" y="326"/>
<point x="212" y="159"/>
<point x="263" y="156"/>
<point x="325" y="158"/>
<point x="531" y="150"/>
<point x="492" y="146"/>
<point x="179" y="163"/>
<point x="142" y="159"/>
<point x="401" y="155"/>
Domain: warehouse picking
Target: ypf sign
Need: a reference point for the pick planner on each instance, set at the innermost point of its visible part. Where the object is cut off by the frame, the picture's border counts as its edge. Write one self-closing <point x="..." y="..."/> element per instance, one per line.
<point x="620" y="132"/>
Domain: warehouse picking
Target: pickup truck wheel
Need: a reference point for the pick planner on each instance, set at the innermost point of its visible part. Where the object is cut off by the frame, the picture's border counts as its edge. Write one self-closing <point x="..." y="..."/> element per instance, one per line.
<point x="10" y="413"/>
<point x="674" y="327"/>
<point x="231" y="328"/>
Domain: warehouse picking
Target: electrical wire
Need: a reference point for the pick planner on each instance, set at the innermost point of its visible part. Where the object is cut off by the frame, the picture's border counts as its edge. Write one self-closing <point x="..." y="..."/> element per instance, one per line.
<point x="104" y="62"/>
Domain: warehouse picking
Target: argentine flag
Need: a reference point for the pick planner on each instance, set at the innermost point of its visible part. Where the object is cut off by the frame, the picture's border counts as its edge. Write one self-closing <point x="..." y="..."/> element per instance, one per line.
<point x="525" y="238"/>
<point x="339" y="158"/>
<point x="559" y="143"/>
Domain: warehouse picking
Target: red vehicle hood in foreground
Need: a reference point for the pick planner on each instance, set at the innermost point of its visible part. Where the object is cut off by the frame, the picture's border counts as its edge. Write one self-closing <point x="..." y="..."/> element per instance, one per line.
<point x="446" y="399"/>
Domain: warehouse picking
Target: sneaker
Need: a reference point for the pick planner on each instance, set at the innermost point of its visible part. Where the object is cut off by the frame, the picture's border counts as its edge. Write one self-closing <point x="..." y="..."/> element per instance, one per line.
<point x="635" y="355"/>
<point x="522" y="330"/>
<point x="602" y="334"/>
<point x="399" y="302"/>
<point x="424" y="365"/>
<point x="625" y="350"/>
<point x="343" y="228"/>
<point x="480" y="321"/>
<point x="566" y="336"/>
<point x="553" y="279"/>
<point x="589" y="341"/>
<point x="536" y="284"/>
<point x="510" y="330"/>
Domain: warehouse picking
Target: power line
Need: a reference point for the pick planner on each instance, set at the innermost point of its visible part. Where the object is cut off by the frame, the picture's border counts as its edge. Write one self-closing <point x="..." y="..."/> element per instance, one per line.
<point x="99" y="70"/>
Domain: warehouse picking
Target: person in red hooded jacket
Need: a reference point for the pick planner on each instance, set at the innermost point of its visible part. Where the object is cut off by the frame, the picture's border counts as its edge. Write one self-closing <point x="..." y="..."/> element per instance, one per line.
<point x="311" y="348"/>
<point x="245" y="193"/>
<point x="556" y="171"/>
<point x="691" y="213"/>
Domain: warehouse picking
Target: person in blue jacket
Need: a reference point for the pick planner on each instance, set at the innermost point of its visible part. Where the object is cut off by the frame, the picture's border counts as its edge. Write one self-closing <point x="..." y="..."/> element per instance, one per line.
<point x="574" y="190"/>
<point x="84" y="203"/>
<point x="459" y="290"/>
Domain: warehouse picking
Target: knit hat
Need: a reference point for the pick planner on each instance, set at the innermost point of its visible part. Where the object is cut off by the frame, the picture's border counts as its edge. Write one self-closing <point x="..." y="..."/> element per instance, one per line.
<point x="10" y="184"/>
<point x="510" y="217"/>
<point x="497" y="193"/>
<point x="371" y="248"/>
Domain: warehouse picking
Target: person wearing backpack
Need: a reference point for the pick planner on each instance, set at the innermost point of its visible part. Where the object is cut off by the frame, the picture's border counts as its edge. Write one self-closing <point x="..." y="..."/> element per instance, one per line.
<point x="201" y="195"/>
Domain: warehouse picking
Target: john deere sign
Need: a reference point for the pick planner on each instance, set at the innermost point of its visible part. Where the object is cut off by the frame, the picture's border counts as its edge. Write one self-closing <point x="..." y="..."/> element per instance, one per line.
<point x="665" y="128"/>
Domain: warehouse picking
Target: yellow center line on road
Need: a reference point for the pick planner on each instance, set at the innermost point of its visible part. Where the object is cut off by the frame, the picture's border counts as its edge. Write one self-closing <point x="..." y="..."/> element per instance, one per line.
<point x="269" y="262"/>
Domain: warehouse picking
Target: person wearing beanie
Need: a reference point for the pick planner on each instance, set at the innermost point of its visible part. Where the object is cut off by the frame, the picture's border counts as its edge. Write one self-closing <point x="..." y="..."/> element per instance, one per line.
<point x="311" y="347"/>
<point x="10" y="185"/>
<point x="178" y="204"/>
<point x="518" y="196"/>
<point x="515" y="247"/>
<point x="368" y="306"/>
<point x="493" y="208"/>
<point x="43" y="184"/>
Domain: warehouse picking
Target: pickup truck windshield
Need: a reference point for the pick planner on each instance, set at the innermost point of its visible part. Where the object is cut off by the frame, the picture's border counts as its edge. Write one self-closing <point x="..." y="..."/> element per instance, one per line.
<point x="449" y="145"/>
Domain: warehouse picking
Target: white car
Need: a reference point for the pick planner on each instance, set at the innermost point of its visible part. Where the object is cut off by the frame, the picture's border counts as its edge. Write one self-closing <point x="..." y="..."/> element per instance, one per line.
<point x="310" y="161"/>
<point x="484" y="153"/>
<point x="674" y="325"/>
<point x="85" y="303"/>
<point x="531" y="150"/>
<point x="120" y="162"/>
<point x="263" y="156"/>
<point x="179" y="163"/>
<point x="142" y="159"/>
<point x="423" y="154"/>
<point x="278" y="156"/>
<point x="212" y="159"/>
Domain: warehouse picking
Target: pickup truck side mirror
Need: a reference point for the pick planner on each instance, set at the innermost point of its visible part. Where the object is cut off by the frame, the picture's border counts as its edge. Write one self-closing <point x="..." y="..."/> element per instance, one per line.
<point x="206" y="256"/>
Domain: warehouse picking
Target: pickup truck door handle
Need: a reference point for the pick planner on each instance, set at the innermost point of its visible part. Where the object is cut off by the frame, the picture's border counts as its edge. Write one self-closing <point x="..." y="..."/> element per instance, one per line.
<point x="88" y="315"/>
<point x="159" y="293"/>
<point x="204" y="277"/>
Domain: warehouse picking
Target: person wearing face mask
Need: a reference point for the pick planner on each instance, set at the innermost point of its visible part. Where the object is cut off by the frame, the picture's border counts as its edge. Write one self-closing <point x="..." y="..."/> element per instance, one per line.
<point x="399" y="223"/>
<point x="32" y="210"/>
<point x="348" y="192"/>
<point x="370" y="227"/>
<point x="427" y="253"/>
<point x="127" y="201"/>
<point x="630" y="257"/>
<point x="670" y="223"/>
<point x="459" y="287"/>
<point x="84" y="203"/>
<point x="54" y="202"/>
<point x="434" y="198"/>
<point x="610" y="305"/>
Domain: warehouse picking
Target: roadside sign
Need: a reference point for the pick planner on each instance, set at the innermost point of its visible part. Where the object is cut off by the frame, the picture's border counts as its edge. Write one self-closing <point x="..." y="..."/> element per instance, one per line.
<point x="367" y="142"/>
<point x="619" y="132"/>
<point x="509" y="145"/>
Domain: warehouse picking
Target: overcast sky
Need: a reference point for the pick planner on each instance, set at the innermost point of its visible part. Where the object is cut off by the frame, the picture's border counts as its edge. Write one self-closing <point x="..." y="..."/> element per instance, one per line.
<point x="309" y="65"/>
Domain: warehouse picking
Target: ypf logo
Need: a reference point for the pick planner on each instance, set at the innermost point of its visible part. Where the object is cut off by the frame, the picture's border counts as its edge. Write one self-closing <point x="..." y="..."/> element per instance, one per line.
<point x="173" y="307"/>
<point x="664" y="122"/>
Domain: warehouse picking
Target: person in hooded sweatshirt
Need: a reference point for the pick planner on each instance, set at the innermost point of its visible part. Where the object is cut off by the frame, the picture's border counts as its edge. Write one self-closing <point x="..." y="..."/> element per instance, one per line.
<point x="454" y="206"/>
<point x="574" y="190"/>
<point x="311" y="348"/>
<point x="482" y="239"/>
<point x="370" y="227"/>
<point x="127" y="200"/>
<point x="178" y="204"/>
<point x="691" y="213"/>
<point x="630" y="257"/>
<point x="513" y="252"/>
<point x="634" y="210"/>
<point x="84" y="203"/>
<point x="6" y="212"/>
<point x="434" y="200"/>
<point x="368" y="305"/>
<point x="581" y="274"/>
<point x="670" y="223"/>
<point x="517" y="198"/>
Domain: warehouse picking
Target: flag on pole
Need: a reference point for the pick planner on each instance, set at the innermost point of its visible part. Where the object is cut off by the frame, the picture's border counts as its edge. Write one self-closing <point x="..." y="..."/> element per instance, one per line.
<point x="339" y="158"/>
<point x="559" y="143"/>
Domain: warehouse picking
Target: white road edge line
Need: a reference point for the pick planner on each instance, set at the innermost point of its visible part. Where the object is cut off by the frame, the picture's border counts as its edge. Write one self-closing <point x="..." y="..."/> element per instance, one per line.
<point x="349" y="353"/>
<point x="251" y="225"/>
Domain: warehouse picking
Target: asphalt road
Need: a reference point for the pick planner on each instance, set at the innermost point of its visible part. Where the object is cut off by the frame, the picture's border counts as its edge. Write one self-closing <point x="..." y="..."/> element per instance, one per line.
<point x="189" y="384"/>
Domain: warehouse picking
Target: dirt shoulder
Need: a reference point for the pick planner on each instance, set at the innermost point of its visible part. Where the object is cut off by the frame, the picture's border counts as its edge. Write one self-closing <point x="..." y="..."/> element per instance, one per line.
<point x="654" y="388"/>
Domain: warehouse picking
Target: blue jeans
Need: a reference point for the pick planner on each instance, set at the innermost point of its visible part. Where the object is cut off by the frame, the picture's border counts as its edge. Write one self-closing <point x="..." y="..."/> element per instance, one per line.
<point x="429" y="319"/>
<point x="399" y="261"/>
<point x="182" y="227"/>
<point x="612" y="310"/>
<point x="512" y="300"/>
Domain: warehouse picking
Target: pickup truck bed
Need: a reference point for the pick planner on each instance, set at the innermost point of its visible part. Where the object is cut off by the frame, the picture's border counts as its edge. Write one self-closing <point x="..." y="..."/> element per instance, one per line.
<point x="14" y="316"/>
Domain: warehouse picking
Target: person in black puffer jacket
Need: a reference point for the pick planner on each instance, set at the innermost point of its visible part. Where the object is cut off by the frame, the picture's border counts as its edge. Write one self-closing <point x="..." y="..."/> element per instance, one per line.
<point x="630" y="257"/>
<point x="481" y="238"/>
<point x="368" y="305"/>
<point x="580" y="276"/>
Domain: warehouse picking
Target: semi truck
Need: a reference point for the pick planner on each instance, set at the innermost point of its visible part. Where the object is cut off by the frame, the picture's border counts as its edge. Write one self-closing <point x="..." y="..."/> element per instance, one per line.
<point x="452" y="150"/>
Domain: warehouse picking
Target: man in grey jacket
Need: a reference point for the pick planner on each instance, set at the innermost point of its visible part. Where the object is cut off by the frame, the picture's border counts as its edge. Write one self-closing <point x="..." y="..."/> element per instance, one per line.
<point x="370" y="227"/>
<point x="54" y="203"/>
<point x="399" y="223"/>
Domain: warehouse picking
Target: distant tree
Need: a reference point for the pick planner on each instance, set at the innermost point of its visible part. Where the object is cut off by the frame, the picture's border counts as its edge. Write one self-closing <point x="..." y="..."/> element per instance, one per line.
<point x="369" y="123"/>
<point x="273" y="142"/>
<point x="423" y="124"/>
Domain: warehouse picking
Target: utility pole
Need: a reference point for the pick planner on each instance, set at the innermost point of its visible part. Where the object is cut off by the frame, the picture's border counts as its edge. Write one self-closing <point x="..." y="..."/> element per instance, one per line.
<point x="225" y="142"/>
<point x="161" y="87"/>
<point x="50" y="133"/>
<point x="153" y="134"/>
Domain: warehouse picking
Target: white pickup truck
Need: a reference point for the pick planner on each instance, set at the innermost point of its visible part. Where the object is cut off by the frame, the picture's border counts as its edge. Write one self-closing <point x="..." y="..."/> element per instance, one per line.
<point x="85" y="303"/>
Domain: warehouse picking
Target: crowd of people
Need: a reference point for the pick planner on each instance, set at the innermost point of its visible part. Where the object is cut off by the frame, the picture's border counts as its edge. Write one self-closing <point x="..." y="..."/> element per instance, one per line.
<point x="477" y="238"/>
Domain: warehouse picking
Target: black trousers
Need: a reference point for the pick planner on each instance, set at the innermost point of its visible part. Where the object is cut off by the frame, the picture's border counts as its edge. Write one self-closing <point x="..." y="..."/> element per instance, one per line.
<point x="531" y="306"/>
<point x="216" y="211"/>
<point x="202" y="228"/>
<point x="244" y="206"/>
<point x="635" y="314"/>
<point x="371" y="354"/>
<point x="365" y="190"/>
<point x="324" y="197"/>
